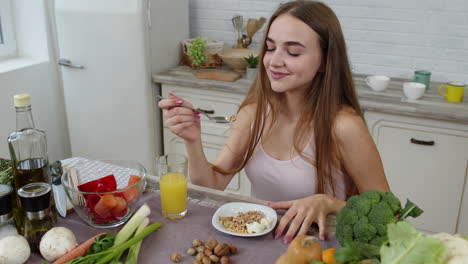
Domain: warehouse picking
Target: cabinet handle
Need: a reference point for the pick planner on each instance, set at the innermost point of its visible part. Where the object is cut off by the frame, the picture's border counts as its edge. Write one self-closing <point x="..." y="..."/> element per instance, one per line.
<point x="422" y="142"/>
<point x="210" y="112"/>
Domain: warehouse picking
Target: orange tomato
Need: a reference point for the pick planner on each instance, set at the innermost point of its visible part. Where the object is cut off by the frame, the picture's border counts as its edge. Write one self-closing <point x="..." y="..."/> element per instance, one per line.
<point x="328" y="256"/>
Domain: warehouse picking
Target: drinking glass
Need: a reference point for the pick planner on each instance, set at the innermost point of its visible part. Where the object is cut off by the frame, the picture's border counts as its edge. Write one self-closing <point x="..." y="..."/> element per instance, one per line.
<point x="172" y="172"/>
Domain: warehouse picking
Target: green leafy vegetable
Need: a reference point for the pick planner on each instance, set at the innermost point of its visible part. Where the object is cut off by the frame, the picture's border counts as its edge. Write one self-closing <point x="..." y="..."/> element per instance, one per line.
<point x="102" y="243"/>
<point x="362" y="224"/>
<point x="406" y="245"/>
<point x="196" y="51"/>
<point x="109" y="255"/>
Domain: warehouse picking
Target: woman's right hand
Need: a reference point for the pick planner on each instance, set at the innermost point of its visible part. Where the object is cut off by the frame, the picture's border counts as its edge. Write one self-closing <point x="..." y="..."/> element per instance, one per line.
<point x="183" y="122"/>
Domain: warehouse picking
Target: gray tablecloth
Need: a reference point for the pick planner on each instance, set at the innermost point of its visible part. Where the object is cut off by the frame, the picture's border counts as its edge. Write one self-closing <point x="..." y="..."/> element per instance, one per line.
<point x="177" y="236"/>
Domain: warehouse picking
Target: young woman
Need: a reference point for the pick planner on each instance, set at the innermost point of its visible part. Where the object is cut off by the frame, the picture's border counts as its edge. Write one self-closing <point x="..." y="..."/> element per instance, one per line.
<point x="300" y="133"/>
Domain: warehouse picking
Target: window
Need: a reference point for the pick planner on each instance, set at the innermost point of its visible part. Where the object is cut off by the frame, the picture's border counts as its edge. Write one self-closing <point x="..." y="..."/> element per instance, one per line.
<point x="7" y="36"/>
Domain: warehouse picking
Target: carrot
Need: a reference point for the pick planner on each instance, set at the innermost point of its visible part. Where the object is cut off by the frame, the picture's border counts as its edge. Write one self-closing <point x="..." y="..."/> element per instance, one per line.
<point x="133" y="192"/>
<point x="79" y="251"/>
<point x="104" y="206"/>
<point x="119" y="209"/>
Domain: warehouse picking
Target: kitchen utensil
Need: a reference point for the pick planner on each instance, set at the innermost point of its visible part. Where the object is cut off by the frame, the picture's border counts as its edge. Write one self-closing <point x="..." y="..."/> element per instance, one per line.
<point x="218" y="75"/>
<point x="377" y="83"/>
<point x="238" y="23"/>
<point x="76" y="198"/>
<point x="216" y="119"/>
<point x="454" y="91"/>
<point x="106" y="182"/>
<point x="254" y="25"/>
<point x="413" y="90"/>
<point x="423" y="77"/>
<point x="57" y="188"/>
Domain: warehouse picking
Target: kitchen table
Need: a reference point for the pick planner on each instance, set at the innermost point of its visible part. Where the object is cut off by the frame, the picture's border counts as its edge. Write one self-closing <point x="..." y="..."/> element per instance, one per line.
<point x="177" y="235"/>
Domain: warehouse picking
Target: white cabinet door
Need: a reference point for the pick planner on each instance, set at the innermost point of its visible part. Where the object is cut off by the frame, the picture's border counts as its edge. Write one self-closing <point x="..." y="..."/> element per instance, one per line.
<point x="425" y="163"/>
<point x="214" y="135"/>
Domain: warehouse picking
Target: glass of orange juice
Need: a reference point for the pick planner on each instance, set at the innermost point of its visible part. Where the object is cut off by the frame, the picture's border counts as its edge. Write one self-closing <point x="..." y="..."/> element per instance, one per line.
<point x="172" y="171"/>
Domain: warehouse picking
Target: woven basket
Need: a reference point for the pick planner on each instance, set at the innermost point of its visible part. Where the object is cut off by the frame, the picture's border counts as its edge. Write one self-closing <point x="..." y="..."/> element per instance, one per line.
<point x="212" y="59"/>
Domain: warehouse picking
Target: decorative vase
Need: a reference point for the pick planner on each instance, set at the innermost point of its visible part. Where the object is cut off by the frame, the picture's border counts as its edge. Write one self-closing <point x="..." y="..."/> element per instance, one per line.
<point x="251" y="73"/>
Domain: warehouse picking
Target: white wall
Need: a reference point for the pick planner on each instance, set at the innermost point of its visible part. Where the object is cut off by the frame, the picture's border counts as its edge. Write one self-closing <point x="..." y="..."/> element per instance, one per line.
<point x="40" y="78"/>
<point x="384" y="37"/>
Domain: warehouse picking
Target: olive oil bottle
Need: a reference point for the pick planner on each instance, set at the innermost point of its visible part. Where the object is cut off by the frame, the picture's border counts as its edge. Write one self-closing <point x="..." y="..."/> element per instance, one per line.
<point x="28" y="151"/>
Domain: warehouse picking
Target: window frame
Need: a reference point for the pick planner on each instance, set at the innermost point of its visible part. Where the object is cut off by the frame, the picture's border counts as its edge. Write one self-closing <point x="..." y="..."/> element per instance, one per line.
<point x="8" y="48"/>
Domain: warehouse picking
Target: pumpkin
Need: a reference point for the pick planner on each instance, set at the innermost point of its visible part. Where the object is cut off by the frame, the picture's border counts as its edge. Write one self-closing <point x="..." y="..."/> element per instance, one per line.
<point x="328" y="256"/>
<point x="302" y="250"/>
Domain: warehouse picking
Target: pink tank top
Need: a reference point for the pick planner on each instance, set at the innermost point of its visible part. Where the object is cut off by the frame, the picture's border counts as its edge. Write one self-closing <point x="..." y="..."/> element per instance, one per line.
<point x="284" y="180"/>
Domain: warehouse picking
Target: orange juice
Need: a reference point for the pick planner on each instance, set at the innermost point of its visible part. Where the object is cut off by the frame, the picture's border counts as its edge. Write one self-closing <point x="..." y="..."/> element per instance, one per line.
<point x="173" y="188"/>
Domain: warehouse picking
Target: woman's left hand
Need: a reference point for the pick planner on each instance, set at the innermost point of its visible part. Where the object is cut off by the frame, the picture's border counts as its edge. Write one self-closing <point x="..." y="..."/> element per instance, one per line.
<point x="303" y="212"/>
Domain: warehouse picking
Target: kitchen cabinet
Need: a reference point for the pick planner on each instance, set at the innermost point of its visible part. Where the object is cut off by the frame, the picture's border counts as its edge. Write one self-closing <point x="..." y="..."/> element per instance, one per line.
<point x="426" y="161"/>
<point x="214" y="135"/>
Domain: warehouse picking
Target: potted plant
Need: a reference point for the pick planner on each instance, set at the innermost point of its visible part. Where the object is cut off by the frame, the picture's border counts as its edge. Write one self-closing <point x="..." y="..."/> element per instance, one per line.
<point x="252" y="61"/>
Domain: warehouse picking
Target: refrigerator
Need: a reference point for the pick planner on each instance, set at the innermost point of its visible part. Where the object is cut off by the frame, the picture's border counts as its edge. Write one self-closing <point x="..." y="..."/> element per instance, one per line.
<point x="108" y="50"/>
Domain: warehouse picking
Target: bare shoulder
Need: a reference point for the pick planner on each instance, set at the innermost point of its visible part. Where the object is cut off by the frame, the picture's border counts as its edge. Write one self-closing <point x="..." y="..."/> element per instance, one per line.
<point x="246" y="114"/>
<point x="348" y="125"/>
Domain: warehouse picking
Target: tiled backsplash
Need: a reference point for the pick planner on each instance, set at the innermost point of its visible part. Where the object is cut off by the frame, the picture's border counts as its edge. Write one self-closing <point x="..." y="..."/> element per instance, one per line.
<point x="384" y="37"/>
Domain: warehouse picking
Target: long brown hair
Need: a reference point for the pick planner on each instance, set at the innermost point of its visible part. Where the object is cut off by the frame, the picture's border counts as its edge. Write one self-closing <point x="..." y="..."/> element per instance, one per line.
<point x="330" y="91"/>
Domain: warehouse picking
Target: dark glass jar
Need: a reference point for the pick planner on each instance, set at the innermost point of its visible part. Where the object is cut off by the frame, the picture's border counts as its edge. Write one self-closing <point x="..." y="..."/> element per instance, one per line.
<point x="35" y="198"/>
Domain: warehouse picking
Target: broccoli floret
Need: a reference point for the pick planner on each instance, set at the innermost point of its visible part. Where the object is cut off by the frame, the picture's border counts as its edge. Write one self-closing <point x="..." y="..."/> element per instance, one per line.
<point x="378" y="241"/>
<point x="344" y="232"/>
<point x="393" y="201"/>
<point x="363" y="231"/>
<point x="381" y="213"/>
<point x="361" y="206"/>
<point x="363" y="221"/>
<point x="381" y="229"/>
<point x="373" y="196"/>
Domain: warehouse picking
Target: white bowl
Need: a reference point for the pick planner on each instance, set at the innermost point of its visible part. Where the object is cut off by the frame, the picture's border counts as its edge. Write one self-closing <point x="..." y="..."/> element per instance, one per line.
<point x="413" y="90"/>
<point x="377" y="83"/>
<point x="232" y="209"/>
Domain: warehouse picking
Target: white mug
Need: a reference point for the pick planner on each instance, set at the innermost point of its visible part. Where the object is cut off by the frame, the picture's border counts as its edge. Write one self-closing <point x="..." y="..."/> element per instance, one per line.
<point x="413" y="90"/>
<point x="378" y="83"/>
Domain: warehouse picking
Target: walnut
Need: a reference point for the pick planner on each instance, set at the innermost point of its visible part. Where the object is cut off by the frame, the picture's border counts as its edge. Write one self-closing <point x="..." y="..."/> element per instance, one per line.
<point x="206" y="260"/>
<point x="201" y="248"/>
<point x="211" y="243"/>
<point x="191" y="251"/>
<point x="176" y="257"/>
<point x="221" y="250"/>
<point x="200" y="256"/>
<point x="233" y="249"/>
<point x="225" y="260"/>
<point x="214" y="258"/>
<point x="196" y="243"/>
<point x="208" y="252"/>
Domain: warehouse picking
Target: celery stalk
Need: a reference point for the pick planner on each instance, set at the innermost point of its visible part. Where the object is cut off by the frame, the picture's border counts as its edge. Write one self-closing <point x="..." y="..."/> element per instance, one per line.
<point x="127" y="231"/>
<point x="132" y="257"/>
<point x="110" y="254"/>
<point x="113" y="252"/>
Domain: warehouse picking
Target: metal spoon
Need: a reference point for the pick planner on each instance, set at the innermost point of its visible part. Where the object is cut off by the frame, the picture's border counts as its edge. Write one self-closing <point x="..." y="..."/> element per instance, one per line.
<point x="216" y="119"/>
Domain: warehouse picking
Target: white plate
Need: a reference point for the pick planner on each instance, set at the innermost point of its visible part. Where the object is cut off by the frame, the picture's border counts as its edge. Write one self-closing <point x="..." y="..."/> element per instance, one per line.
<point x="232" y="209"/>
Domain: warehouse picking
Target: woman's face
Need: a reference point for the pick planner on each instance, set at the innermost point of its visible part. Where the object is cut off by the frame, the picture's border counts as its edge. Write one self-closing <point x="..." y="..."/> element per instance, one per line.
<point x="293" y="55"/>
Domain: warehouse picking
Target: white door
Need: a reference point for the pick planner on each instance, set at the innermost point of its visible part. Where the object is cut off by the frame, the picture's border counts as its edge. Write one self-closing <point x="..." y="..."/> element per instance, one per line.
<point x="109" y="103"/>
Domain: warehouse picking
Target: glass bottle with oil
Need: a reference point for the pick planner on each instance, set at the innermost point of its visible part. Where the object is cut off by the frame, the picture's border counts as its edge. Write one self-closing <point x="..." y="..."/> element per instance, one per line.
<point x="35" y="199"/>
<point x="28" y="151"/>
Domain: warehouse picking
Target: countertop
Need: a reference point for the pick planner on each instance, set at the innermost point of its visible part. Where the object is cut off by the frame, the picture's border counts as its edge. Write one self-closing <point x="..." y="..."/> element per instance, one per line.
<point x="392" y="100"/>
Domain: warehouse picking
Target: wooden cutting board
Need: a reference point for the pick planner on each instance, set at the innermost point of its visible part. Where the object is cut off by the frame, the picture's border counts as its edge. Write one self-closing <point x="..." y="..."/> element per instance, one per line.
<point x="217" y="75"/>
